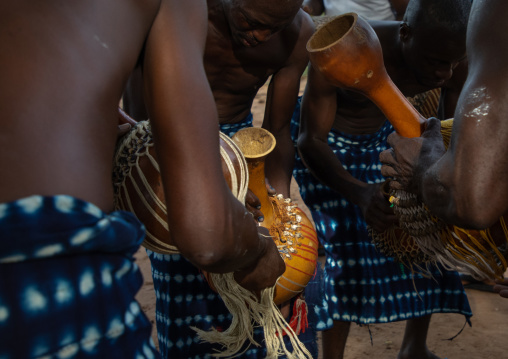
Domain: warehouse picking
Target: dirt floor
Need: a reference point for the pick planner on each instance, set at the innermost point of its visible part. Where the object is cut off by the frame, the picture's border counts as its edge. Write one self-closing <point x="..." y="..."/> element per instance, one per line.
<point x="485" y="339"/>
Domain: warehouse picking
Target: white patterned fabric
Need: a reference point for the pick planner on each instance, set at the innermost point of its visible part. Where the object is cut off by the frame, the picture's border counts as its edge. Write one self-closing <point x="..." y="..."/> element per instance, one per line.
<point x="368" y="9"/>
<point x="68" y="281"/>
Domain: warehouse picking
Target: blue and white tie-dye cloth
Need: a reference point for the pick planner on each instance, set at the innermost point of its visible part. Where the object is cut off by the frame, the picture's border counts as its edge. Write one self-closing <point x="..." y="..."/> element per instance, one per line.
<point x="184" y="300"/>
<point x="360" y="284"/>
<point x="68" y="281"/>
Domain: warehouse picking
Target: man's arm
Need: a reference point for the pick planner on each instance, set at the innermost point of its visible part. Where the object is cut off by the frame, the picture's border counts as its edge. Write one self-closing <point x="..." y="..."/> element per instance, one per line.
<point x="473" y="172"/>
<point x="467" y="185"/>
<point x="319" y="107"/>
<point x="208" y="224"/>
<point x="281" y="100"/>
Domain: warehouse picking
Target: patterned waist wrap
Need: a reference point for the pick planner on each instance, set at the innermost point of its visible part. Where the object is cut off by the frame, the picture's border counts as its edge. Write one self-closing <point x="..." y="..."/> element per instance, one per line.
<point x="361" y="284"/>
<point x="68" y="281"/>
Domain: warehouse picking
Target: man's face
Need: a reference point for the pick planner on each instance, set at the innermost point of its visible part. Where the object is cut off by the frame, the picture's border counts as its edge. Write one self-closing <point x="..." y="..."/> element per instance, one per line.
<point x="255" y="21"/>
<point x="433" y="54"/>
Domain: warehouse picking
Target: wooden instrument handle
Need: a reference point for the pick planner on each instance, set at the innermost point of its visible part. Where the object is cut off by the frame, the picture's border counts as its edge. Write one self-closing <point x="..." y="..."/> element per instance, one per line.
<point x="346" y="50"/>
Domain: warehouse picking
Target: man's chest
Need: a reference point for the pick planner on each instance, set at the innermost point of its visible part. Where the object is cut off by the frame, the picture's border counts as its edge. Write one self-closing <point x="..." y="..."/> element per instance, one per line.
<point x="236" y="65"/>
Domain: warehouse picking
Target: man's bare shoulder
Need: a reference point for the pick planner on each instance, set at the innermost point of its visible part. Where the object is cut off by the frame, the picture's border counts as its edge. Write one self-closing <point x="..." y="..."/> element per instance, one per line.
<point x="76" y="25"/>
<point x="34" y="8"/>
<point x="302" y="27"/>
<point x="289" y="46"/>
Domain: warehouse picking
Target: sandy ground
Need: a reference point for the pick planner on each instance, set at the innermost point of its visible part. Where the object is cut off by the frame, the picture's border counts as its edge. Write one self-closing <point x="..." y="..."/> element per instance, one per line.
<point x="485" y="339"/>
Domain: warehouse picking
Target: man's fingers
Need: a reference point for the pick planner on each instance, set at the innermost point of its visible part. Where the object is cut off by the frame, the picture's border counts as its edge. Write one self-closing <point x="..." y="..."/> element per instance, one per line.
<point x="392" y="139"/>
<point x="256" y="213"/>
<point x="387" y="156"/>
<point x="388" y="171"/>
<point x="269" y="188"/>
<point x="433" y="127"/>
<point x="394" y="185"/>
<point x="252" y="200"/>
<point x="123" y="117"/>
<point x="123" y="129"/>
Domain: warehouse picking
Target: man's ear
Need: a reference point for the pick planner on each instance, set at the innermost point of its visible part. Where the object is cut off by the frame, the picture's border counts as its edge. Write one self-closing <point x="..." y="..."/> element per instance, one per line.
<point x="404" y="31"/>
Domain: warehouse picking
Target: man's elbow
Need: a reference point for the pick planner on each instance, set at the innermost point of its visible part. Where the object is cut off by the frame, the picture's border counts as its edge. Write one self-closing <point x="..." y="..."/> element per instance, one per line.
<point x="208" y="250"/>
<point x="209" y="260"/>
<point x="306" y="146"/>
<point x="476" y="215"/>
<point x="466" y="201"/>
<point x="303" y="144"/>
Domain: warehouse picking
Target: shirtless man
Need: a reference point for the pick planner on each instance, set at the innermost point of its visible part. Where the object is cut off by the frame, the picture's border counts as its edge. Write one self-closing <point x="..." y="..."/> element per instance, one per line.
<point x="341" y="136"/>
<point x="68" y="275"/>
<point x="248" y="41"/>
<point x="465" y="185"/>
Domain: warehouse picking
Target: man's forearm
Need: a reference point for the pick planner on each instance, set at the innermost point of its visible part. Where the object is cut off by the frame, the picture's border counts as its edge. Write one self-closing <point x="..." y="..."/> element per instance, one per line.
<point x="444" y="192"/>
<point x="319" y="158"/>
<point x="279" y="165"/>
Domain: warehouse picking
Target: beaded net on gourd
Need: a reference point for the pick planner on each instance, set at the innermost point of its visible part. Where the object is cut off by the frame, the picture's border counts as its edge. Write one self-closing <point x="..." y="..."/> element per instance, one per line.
<point x="287" y="228"/>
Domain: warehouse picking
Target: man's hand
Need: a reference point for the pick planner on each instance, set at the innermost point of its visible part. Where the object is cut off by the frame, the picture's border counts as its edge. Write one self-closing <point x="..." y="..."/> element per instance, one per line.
<point x="253" y="204"/>
<point x="269" y="188"/>
<point x="125" y="123"/>
<point x="267" y="269"/>
<point x="409" y="158"/>
<point x="123" y="129"/>
<point x="376" y="208"/>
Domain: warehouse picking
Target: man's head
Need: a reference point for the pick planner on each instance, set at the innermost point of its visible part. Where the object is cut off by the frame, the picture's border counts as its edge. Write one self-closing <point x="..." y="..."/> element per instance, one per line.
<point x="255" y="21"/>
<point x="433" y="37"/>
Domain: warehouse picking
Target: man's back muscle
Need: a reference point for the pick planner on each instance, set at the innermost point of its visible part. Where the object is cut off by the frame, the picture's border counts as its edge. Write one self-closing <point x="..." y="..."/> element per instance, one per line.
<point x="64" y="66"/>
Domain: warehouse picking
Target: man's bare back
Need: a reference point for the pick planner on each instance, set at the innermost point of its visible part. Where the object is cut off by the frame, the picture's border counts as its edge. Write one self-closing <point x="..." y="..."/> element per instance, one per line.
<point x="71" y="69"/>
<point x="65" y="67"/>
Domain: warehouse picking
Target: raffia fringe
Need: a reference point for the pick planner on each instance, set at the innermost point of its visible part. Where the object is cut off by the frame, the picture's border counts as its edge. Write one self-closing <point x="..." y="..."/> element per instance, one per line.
<point x="248" y="313"/>
<point x="456" y="249"/>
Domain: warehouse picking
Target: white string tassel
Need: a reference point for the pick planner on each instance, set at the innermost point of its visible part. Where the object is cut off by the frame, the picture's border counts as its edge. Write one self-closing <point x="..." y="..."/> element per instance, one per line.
<point x="247" y="313"/>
